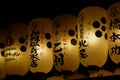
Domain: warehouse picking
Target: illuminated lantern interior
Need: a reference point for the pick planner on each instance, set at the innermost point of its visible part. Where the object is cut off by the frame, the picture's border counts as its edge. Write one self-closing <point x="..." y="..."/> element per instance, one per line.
<point x="40" y="45"/>
<point x="65" y="34"/>
<point x="93" y="22"/>
<point x="2" y="60"/>
<point x="16" y="52"/>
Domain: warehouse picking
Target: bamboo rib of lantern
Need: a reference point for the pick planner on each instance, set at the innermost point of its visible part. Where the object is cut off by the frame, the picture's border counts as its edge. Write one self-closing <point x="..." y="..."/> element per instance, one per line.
<point x="16" y="52"/>
<point x="93" y="45"/>
<point x="65" y="34"/>
<point x="40" y="45"/>
<point x="114" y="34"/>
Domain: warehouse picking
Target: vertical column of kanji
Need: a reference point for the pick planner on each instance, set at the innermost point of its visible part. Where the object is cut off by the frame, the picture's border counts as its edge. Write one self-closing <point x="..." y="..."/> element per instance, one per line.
<point x="93" y="44"/>
<point x="114" y="34"/>
<point x="40" y="45"/>
<point x="16" y="52"/>
<point x="2" y="59"/>
<point x="65" y="34"/>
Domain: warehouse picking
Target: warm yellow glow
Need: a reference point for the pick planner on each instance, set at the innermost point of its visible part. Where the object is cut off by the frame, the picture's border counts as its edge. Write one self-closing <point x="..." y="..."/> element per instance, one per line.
<point x="92" y="23"/>
<point x="92" y="38"/>
<point x="114" y="32"/>
<point x="39" y="49"/>
<point x="16" y="52"/>
<point x="39" y="33"/>
<point x="65" y="42"/>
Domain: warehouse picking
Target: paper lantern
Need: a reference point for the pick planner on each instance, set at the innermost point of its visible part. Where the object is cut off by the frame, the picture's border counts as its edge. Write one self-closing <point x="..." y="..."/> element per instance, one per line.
<point x="114" y="32"/>
<point x="40" y="45"/>
<point x="2" y="59"/>
<point x="65" y="34"/>
<point x="16" y="52"/>
<point x="93" y="45"/>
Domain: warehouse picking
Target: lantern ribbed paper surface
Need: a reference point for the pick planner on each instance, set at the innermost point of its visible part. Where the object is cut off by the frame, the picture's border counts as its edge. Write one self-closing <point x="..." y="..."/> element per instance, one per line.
<point x="2" y="59"/>
<point x="114" y="32"/>
<point x="16" y="52"/>
<point x="40" y="45"/>
<point x="65" y="34"/>
<point x="93" y="45"/>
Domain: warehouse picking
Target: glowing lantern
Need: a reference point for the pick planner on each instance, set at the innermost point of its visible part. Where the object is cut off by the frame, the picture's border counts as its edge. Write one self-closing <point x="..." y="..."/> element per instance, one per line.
<point x="16" y="52"/>
<point x="114" y="32"/>
<point x="114" y="35"/>
<point x="93" y="44"/>
<point x="2" y="60"/>
<point x="40" y="45"/>
<point x="65" y="34"/>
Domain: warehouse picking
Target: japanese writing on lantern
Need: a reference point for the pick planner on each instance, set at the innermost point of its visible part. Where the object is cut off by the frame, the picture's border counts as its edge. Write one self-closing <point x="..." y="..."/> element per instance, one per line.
<point x="58" y="54"/>
<point x="114" y="12"/>
<point x="115" y="50"/>
<point x="83" y="44"/>
<point x="10" y="54"/>
<point x="81" y="20"/>
<point x="114" y="37"/>
<point x="34" y="42"/>
<point x="115" y="24"/>
<point x="59" y="57"/>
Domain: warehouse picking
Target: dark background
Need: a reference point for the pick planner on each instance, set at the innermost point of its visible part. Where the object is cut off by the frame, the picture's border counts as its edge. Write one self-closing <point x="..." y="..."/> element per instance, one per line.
<point x="26" y="10"/>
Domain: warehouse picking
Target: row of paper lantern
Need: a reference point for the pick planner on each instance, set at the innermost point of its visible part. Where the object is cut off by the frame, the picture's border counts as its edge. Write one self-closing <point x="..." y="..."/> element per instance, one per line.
<point x="64" y="42"/>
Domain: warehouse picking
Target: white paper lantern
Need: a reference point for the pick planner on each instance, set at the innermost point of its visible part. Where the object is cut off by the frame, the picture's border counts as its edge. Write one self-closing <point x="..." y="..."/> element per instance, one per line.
<point x="40" y="45"/>
<point x="16" y="52"/>
<point x="2" y="59"/>
<point x="93" y="45"/>
<point x="65" y="34"/>
<point x="114" y="32"/>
